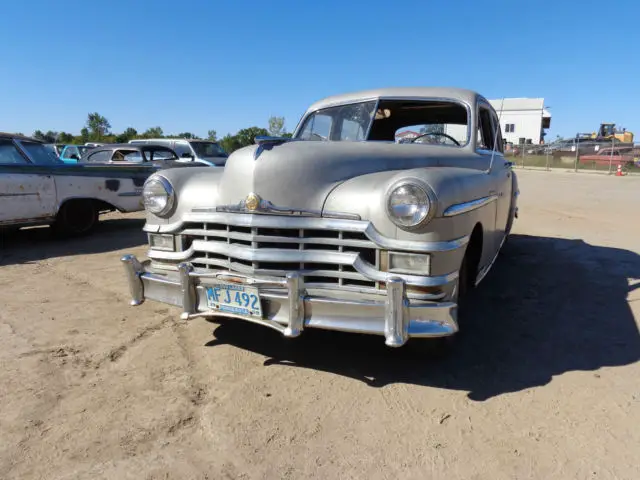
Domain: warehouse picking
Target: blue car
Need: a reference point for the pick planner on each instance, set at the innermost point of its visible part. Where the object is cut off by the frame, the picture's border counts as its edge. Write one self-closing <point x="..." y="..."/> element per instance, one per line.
<point x="73" y="153"/>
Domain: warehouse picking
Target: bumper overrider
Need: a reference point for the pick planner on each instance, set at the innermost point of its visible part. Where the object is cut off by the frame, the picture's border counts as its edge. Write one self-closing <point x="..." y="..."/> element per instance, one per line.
<point x="289" y="307"/>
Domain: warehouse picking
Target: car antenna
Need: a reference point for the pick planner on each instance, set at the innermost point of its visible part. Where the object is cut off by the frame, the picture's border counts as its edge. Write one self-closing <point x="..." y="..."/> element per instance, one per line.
<point x="495" y="136"/>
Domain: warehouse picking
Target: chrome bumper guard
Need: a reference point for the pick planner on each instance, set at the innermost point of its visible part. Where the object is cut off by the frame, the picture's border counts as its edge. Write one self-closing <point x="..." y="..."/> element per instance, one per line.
<point x="290" y="308"/>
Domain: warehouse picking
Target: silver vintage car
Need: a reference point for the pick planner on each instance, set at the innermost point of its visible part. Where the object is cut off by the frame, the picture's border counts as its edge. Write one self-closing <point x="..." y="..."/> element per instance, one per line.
<point x="377" y="217"/>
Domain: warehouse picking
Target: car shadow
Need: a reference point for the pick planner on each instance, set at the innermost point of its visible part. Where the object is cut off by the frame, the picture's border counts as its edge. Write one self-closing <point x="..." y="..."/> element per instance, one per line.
<point x="38" y="243"/>
<point x="549" y="306"/>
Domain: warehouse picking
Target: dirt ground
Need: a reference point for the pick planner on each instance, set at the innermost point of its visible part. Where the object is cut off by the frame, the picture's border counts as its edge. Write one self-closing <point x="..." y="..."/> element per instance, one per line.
<point x="545" y="381"/>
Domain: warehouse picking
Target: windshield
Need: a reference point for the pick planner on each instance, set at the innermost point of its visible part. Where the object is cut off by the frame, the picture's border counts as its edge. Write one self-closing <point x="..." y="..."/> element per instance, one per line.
<point x="208" y="149"/>
<point x="345" y="122"/>
<point x="431" y="122"/>
<point x="40" y="154"/>
<point x="82" y="149"/>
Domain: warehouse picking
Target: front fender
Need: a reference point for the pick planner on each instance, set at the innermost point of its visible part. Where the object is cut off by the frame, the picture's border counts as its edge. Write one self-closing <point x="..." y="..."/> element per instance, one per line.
<point x="367" y="195"/>
<point x="193" y="187"/>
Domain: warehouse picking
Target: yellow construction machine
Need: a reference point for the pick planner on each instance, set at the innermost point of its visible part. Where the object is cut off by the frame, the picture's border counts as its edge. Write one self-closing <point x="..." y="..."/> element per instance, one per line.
<point x="608" y="131"/>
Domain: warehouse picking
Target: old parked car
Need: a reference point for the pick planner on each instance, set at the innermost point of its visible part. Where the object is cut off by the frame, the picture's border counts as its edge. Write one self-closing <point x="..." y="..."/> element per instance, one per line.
<point x="127" y="154"/>
<point x="340" y="227"/>
<point x="203" y="151"/>
<point x="610" y="156"/>
<point x="37" y="188"/>
<point x="73" y="153"/>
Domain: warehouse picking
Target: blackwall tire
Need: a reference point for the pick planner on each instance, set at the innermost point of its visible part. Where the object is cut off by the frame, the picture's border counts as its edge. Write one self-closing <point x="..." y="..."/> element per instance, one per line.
<point x="76" y="218"/>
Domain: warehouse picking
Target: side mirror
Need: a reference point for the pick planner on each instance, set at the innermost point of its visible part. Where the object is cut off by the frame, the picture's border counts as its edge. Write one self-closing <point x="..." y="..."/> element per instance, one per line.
<point x="74" y="157"/>
<point x="187" y="155"/>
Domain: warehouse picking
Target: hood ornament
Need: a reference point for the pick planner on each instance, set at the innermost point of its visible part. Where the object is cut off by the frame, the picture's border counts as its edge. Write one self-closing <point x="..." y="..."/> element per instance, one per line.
<point x="267" y="143"/>
<point x="252" y="202"/>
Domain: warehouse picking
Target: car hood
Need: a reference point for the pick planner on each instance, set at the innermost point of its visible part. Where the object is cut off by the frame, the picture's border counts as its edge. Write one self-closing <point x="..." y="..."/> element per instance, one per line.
<point x="301" y="174"/>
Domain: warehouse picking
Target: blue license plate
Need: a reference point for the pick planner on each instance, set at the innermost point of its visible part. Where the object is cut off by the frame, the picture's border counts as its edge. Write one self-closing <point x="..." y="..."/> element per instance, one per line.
<point x="236" y="299"/>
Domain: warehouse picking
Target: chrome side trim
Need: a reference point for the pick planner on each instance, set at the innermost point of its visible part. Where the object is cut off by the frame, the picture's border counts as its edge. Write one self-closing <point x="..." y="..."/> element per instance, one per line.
<point x="268" y="208"/>
<point x="130" y="194"/>
<point x="460" y="208"/>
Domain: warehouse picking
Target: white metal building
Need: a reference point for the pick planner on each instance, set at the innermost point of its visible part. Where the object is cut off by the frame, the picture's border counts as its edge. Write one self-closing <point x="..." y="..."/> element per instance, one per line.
<point x="523" y="120"/>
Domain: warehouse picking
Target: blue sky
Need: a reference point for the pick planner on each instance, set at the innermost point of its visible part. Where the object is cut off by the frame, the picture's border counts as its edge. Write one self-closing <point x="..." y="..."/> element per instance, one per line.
<point x="225" y="65"/>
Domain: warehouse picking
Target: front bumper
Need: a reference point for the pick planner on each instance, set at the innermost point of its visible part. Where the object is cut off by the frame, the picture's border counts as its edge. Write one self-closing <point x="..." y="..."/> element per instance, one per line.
<point x="289" y="308"/>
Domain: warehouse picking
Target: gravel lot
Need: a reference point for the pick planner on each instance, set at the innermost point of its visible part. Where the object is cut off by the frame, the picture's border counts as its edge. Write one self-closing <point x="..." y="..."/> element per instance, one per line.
<point x="545" y="381"/>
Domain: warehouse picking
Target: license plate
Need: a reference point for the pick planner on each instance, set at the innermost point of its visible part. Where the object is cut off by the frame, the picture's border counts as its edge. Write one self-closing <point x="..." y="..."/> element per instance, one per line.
<point x="232" y="298"/>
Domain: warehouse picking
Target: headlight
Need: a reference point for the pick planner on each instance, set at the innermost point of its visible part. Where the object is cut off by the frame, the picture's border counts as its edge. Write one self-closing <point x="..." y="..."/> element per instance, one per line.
<point x="409" y="205"/>
<point x="158" y="196"/>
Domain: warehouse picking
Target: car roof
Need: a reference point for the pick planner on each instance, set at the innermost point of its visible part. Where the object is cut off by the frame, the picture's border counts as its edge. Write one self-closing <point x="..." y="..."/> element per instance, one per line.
<point x="135" y="140"/>
<point x="129" y="146"/>
<point x="19" y="137"/>
<point x="459" y="94"/>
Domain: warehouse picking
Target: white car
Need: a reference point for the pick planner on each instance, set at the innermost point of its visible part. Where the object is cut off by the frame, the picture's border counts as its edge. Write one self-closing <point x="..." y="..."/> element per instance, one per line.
<point x="201" y="151"/>
<point x="37" y="188"/>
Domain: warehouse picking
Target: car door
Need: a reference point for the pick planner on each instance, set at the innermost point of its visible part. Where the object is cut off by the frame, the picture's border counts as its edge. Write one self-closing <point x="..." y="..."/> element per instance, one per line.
<point x="489" y="144"/>
<point x="27" y="191"/>
<point x="70" y="155"/>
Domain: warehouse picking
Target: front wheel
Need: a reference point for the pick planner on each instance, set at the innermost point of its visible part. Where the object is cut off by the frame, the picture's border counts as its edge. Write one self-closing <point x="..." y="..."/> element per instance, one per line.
<point x="442" y="346"/>
<point x="76" y="218"/>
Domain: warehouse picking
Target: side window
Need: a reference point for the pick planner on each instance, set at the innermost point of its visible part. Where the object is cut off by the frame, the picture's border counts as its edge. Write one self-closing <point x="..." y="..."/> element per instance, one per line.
<point x="317" y="127"/>
<point x="182" y="148"/>
<point x="351" y="131"/>
<point x="129" y="156"/>
<point x="101" y="156"/>
<point x="498" y="133"/>
<point x="9" y="153"/>
<point x="485" y="132"/>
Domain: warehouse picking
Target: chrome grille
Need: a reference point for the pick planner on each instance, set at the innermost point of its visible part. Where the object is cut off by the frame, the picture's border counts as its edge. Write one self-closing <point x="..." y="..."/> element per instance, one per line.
<point x="322" y="256"/>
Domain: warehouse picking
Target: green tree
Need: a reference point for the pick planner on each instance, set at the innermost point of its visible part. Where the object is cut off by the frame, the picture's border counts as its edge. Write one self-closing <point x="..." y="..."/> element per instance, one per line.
<point x="244" y="137"/>
<point x="98" y="126"/>
<point x="153" y="132"/>
<point x="49" y="137"/>
<point x="84" y="135"/>
<point x="187" y="135"/>
<point x="129" y="134"/>
<point x="276" y="126"/>
<point x="212" y="135"/>
<point x="229" y="143"/>
<point x="64" y="137"/>
<point x="247" y="136"/>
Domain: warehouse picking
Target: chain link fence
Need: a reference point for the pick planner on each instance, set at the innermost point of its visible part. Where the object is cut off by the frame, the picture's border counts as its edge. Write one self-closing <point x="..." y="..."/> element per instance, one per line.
<point x="605" y="157"/>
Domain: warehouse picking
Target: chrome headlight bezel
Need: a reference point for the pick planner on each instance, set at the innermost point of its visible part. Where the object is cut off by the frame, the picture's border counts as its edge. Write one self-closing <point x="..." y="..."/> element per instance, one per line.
<point x="169" y="193"/>
<point x="426" y="203"/>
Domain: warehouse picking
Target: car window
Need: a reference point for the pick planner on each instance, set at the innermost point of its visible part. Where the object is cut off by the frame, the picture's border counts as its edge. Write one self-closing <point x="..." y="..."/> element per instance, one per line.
<point x="158" y="154"/>
<point x="317" y="127"/>
<point x="40" y="154"/>
<point x="130" y="157"/>
<point x="498" y="132"/>
<point x="71" y="151"/>
<point x="100" y="156"/>
<point x="182" y="148"/>
<point x="433" y="134"/>
<point x="485" y="132"/>
<point x="9" y="153"/>
<point x="351" y="131"/>
<point x="126" y="155"/>
<point x="208" y="149"/>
